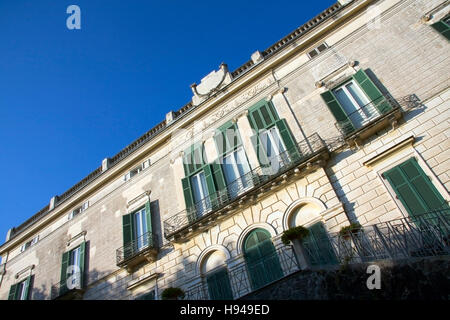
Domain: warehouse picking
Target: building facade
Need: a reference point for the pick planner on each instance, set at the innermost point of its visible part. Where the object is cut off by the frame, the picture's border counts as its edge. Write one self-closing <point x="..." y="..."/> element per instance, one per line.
<point x="344" y="121"/>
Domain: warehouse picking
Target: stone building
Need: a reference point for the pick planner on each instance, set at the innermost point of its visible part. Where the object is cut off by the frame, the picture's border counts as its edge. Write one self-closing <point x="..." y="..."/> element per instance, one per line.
<point x="343" y="121"/>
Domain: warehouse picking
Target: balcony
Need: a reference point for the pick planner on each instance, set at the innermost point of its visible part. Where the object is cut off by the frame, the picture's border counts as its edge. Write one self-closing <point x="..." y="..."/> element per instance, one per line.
<point x="304" y="157"/>
<point x="423" y="236"/>
<point x="240" y="279"/>
<point x="142" y="249"/>
<point x="68" y="290"/>
<point x="367" y="120"/>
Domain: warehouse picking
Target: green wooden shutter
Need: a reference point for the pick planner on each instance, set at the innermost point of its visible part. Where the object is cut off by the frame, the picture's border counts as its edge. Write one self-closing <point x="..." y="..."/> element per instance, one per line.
<point x="262" y="115"/>
<point x="128" y="234"/>
<point x="82" y="263"/>
<point x="193" y="159"/>
<point x="219" y="287"/>
<point x="64" y="265"/>
<point x="12" y="292"/>
<point x="443" y="28"/>
<point x="260" y="151"/>
<point x="219" y="178"/>
<point x="414" y="189"/>
<point x="375" y="96"/>
<point x="288" y="140"/>
<point x="149" y="223"/>
<point x="188" y="198"/>
<point x="227" y="138"/>
<point x="321" y="243"/>
<point x="338" y="112"/>
<point x="261" y="258"/>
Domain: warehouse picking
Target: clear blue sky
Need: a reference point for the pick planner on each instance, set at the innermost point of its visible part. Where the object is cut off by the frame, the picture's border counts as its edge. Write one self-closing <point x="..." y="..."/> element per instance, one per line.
<point x="70" y="98"/>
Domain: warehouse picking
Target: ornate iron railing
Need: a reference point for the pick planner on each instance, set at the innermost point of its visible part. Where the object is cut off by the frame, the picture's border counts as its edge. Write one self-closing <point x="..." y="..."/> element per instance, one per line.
<point x="137" y="246"/>
<point x="419" y="236"/>
<point x="274" y="167"/>
<point x="61" y="288"/>
<point x="240" y="278"/>
<point x="375" y="109"/>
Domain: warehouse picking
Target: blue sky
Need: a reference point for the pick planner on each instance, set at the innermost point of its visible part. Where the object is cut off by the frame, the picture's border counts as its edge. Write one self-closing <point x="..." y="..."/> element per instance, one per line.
<point x="70" y="98"/>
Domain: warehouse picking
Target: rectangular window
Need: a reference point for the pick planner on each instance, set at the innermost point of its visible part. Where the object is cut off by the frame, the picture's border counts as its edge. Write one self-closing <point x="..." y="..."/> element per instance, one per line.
<point x="28" y="244"/>
<point x="22" y="293"/>
<point x="21" y="290"/>
<point x="74" y="267"/>
<point x="414" y="188"/>
<point x="236" y="169"/>
<point x="200" y="192"/>
<point x="137" y="170"/>
<point x="141" y="228"/>
<point x="315" y="52"/>
<point x="355" y="103"/>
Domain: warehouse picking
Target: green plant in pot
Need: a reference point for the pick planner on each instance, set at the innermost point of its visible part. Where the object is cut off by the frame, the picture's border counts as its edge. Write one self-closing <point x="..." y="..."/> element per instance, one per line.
<point x="294" y="233"/>
<point x="172" y="294"/>
<point x="346" y="232"/>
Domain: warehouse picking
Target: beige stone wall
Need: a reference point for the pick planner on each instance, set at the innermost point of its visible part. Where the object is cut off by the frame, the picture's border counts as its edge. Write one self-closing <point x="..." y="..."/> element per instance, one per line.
<point x="405" y="55"/>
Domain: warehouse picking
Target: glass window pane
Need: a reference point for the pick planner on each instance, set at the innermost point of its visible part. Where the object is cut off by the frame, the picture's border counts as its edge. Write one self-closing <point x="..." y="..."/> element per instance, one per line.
<point x="357" y="94"/>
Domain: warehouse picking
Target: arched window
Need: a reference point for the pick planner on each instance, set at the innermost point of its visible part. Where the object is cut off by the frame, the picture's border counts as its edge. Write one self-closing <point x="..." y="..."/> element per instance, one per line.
<point x="261" y="258"/>
<point x="216" y="275"/>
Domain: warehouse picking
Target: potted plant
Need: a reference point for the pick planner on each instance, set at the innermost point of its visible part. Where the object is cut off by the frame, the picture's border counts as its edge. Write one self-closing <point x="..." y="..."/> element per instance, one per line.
<point x="172" y="294"/>
<point x="354" y="228"/>
<point x="294" y="233"/>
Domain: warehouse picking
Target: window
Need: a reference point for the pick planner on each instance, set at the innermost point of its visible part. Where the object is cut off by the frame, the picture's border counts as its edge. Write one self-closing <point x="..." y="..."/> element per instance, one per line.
<point x="137" y="231"/>
<point x="29" y="244"/>
<point x="315" y="52"/>
<point x="147" y="296"/>
<point x="443" y="27"/>
<point x="78" y="210"/>
<point x="414" y="188"/>
<point x="236" y="169"/>
<point x="219" y="287"/>
<point x="72" y="269"/>
<point x="200" y="192"/>
<point x="274" y="143"/>
<point x="21" y="290"/>
<point x="356" y="102"/>
<point x="137" y="170"/>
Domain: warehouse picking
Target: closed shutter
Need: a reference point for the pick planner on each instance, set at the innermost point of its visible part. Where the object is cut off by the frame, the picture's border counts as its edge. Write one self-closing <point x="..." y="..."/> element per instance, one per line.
<point x="65" y="263"/>
<point x="12" y="292"/>
<point x="262" y="115"/>
<point x="414" y="188"/>
<point x="227" y="138"/>
<point x="443" y="28"/>
<point x="188" y="198"/>
<point x="219" y="287"/>
<point x="148" y="215"/>
<point x="375" y="96"/>
<point x="219" y="178"/>
<point x="338" y="112"/>
<point x="193" y="159"/>
<point x="318" y="246"/>
<point x="82" y="265"/>
<point x="288" y="139"/>
<point x="128" y="235"/>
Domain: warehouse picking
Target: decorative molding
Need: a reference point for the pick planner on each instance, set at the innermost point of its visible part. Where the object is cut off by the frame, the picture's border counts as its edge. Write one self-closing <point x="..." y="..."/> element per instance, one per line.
<point x="139" y="197"/>
<point x="207" y="251"/>
<point x="388" y="152"/>
<point x="79" y="235"/>
<point x="142" y="279"/>
<point x="25" y="270"/>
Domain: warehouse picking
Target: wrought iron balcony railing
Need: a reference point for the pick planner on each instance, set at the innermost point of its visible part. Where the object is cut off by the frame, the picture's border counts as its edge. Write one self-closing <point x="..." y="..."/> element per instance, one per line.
<point x="242" y="277"/>
<point x="366" y="114"/>
<point x="275" y="166"/>
<point x="69" y="288"/>
<point x="419" y="236"/>
<point x="142" y="245"/>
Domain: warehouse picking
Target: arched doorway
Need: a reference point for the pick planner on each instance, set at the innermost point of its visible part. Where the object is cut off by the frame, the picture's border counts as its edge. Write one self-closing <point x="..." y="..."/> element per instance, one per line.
<point x="261" y="258"/>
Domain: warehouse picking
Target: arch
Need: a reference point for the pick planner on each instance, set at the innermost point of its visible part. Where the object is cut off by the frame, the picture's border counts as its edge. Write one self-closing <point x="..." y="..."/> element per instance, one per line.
<point x="205" y="254"/>
<point x="263" y="225"/>
<point x="308" y="203"/>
